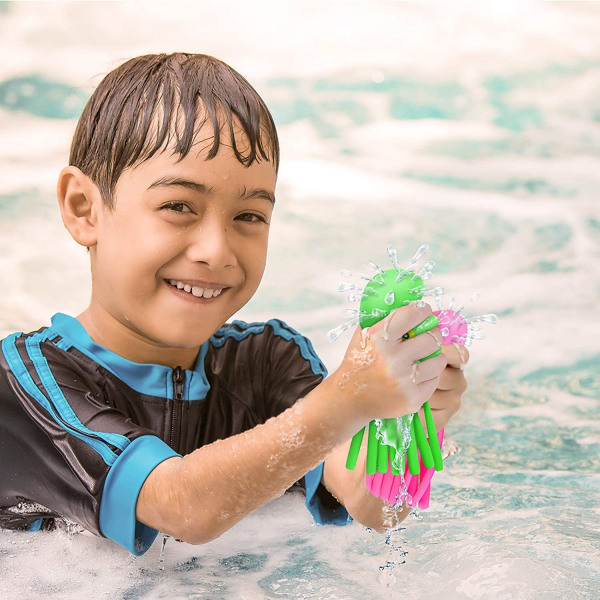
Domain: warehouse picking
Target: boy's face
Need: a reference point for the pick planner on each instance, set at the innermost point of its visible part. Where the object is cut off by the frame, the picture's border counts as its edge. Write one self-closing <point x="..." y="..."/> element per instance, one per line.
<point x="203" y="223"/>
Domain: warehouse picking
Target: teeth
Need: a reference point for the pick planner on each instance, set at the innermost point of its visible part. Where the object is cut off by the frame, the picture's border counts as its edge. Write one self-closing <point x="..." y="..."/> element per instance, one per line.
<point x="195" y="290"/>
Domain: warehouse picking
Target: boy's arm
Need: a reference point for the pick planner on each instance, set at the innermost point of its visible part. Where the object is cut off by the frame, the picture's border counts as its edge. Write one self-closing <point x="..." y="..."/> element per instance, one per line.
<point x="349" y="486"/>
<point x="199" y="496"/>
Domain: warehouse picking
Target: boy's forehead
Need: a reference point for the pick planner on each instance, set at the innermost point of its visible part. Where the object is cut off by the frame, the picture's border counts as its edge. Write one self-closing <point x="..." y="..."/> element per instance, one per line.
<point x="167" y="167"/>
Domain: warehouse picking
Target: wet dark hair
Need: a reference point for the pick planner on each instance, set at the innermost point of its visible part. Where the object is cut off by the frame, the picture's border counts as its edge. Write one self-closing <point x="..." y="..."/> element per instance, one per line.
<point x="157" y="100"/>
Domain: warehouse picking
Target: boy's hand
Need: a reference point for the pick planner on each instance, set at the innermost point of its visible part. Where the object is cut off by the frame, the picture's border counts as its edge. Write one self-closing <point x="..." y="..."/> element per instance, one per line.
<point x="382" y="379"/>
<point x="445" y="401"/>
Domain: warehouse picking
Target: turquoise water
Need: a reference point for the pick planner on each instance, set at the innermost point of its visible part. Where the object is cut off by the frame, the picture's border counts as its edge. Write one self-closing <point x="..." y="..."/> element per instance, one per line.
<point x="476" y="132"/>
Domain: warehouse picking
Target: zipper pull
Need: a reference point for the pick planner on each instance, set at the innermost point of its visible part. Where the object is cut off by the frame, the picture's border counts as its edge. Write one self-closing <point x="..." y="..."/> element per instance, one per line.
<point x="178" y="381"/>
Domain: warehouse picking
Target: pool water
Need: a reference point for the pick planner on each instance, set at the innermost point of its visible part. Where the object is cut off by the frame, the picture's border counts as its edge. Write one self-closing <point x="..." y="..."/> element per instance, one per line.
<point x="476" y="132"/>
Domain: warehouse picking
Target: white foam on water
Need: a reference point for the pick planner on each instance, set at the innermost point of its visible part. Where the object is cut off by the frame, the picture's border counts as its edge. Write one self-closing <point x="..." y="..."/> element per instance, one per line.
<point x="514" y="513"/>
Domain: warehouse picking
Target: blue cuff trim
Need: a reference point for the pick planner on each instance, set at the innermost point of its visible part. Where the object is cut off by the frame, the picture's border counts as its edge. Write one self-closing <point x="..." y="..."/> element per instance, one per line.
<point x="36" y="525"/>
<point x="121" y="490"/>
<point x="322" y="515"/>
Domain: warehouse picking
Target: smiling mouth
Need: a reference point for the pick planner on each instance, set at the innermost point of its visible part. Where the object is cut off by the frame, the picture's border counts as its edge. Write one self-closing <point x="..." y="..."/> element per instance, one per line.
<point x="195" y="291"/>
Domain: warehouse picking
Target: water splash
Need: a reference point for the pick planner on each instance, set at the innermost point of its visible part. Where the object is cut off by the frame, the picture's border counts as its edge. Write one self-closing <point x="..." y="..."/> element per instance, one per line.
<point x="375" y="267"/>
<point x="344" y="287"/>
<point x="418" y="254"/>
<point x="491" y="318"/>
<point x="378" y="313"/>
<point x="335" y="334"/>
<point x="393" y="254"/>
<point x="161" y="558"/>
<point x="436" y="292"/>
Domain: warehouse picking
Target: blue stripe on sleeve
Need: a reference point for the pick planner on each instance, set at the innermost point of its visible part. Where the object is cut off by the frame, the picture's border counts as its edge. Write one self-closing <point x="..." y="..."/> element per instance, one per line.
<point x="121" y="491"/>
<point x="19" y="370"/>
<point x="58" y="398"/>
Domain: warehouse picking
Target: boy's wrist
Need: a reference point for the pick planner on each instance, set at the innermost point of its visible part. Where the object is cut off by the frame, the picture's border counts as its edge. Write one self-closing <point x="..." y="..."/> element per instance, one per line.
<point x="346" y="412"/>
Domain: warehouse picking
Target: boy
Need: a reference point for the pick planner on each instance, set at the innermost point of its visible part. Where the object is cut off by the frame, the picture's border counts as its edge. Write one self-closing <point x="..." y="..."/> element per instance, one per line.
<point x="147" y="412"/>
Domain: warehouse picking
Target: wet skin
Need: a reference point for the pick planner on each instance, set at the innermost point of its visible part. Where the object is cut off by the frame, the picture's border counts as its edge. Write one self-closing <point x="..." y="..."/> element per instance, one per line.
<point x="211" y="232"/>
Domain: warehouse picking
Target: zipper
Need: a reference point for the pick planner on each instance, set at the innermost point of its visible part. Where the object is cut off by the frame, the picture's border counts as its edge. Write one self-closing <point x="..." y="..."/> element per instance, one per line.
<point x="178" y="380"/>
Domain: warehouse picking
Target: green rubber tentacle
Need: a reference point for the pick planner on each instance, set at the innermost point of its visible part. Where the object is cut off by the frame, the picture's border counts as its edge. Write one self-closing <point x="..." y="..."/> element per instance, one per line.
<point x="434" y="443"/>
<point x="382" y="457"/>
<point x="411" y="453"/>
<point x="372" y="447"/>
<point x="354" y="450"/>
<point x="422" y="443"/>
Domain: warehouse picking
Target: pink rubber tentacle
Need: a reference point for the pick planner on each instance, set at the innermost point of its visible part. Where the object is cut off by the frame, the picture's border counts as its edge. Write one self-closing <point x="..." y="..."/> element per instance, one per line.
<point x="426" y="476"/>
<point x="424" y="502"/>
<point x="377" y="481"/>
<point x="387" y="483"/>
<point x="412" y="488"/>
<point x="395" y="490"/>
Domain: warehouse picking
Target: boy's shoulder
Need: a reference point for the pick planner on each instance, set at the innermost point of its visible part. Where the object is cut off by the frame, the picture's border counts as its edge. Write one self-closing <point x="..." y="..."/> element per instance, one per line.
<point x="275" y="337"/>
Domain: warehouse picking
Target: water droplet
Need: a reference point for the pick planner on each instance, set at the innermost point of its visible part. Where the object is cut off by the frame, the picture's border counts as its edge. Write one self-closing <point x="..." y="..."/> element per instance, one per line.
<point x="390" y="298"/>
<point x="345" y="273"/>
<point x="421" y="250"/>
<point x="418" y="303"/>
<point x="354" y="297"/>
<point x="378" y="313"/>
<point x="370" y="292"/>
<point x="445" y="331"/>
<point x="161" y="558"/>
<point x="334" y="334"/>
<point x="475" y="296"/>
<point x="374" y="266"/>
<point x="379" y="279"/>
<point x="393" y="254"/>
<point x="425" y="272"/>
<point x="364" y="337"/>
<point x="344" y="287"/>
<point x="436" y="292"/>
<point x="491" y="318"/>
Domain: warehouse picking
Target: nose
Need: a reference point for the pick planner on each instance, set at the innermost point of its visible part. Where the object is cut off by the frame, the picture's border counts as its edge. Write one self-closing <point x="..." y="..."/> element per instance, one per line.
<point x="211" y="245"/>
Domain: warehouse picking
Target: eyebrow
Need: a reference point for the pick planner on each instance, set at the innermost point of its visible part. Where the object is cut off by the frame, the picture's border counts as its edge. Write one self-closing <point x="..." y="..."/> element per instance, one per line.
<point x="200" y="188"/>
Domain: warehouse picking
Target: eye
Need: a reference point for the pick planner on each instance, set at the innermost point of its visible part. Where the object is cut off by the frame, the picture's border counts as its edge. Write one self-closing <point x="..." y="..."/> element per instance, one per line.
<point x="251" y="218"/>
<point x="178" y="207"/>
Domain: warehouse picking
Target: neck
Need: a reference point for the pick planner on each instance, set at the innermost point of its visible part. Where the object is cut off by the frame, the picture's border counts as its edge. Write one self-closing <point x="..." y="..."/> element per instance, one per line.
<point x="124" y="339"/>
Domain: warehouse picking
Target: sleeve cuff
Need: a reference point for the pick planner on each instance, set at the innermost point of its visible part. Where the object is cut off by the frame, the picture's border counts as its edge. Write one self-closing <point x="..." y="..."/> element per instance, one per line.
<point x="121" y="490"/>
<point x="321" y="514"/>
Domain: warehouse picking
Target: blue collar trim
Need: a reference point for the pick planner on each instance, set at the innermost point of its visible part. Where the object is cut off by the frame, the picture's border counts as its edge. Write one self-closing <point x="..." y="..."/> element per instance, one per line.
<point x="145" y="378"/>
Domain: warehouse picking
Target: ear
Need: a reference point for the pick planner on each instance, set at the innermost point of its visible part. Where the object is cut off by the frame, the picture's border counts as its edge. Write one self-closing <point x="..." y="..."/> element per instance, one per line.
<point x="80" y="205"/>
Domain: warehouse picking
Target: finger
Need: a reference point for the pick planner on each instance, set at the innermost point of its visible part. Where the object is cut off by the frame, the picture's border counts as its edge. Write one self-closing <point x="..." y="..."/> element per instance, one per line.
<point x="457" y="355"/>
<point x="419" y="347"/>
<point x="453" y="379"/>
<point x="429" y="369"/>
<point x="443" y="404"/>
<point x="401" y="320"/>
